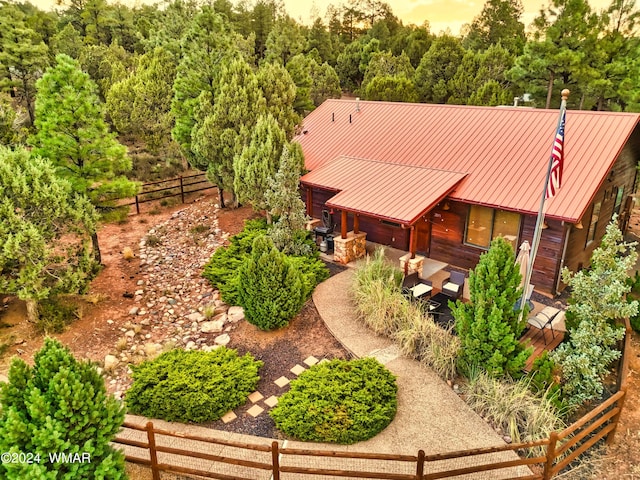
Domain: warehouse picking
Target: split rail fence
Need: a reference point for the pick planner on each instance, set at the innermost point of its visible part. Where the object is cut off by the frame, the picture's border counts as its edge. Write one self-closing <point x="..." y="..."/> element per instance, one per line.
<point x="226" y="460"/>
<point x="173" y="187"/>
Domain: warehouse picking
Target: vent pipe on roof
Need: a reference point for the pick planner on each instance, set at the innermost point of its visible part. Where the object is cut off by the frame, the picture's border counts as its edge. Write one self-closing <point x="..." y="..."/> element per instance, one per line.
<point x="357" y="104"/>
<point x="333" y="117"/>
<point x="349" y="118"/>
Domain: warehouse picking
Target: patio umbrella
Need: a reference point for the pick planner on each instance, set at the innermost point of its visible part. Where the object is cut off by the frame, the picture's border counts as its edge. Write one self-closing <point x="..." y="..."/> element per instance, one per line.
<point x="523" y="260"/>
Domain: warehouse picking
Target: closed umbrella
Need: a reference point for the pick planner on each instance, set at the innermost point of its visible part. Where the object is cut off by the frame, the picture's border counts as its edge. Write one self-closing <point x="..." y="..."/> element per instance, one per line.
<point x="523" y="260"/>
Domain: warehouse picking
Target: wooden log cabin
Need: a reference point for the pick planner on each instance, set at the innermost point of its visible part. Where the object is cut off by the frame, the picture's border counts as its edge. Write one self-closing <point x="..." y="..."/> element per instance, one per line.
<point x="444" y="180"/>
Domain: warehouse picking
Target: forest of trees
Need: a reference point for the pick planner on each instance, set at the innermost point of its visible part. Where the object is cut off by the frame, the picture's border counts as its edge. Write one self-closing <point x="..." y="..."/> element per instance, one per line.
<point x="209" y="82"/>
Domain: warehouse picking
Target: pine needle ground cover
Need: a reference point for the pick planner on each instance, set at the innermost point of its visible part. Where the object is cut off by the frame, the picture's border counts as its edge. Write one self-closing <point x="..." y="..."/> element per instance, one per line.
<point x="339" y="402"/>
<point x="192" y="386"/>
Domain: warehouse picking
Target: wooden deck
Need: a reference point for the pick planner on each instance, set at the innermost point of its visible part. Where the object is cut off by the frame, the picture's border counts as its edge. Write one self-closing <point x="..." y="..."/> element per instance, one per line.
<point x="535" y="337"/>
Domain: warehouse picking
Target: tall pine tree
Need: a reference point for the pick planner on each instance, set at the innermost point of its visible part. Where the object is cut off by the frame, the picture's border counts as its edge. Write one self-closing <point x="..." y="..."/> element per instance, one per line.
<point x="73" y="134"/>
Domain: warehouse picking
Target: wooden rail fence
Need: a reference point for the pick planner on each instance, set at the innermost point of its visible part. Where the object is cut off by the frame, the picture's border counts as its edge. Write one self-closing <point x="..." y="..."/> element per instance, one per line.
<point x="254" y="461"/>
<point x="174" y="187"/>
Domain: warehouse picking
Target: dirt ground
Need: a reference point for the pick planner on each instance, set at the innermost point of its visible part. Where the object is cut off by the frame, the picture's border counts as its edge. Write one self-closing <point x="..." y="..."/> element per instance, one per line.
<point x="92" y="337"/>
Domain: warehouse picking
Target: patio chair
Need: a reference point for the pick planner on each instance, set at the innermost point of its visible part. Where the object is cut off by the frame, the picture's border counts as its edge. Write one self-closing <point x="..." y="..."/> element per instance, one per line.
<point x="454" y="285"/>
<point x="545" y="319"/>
<point x="415" y="287"/>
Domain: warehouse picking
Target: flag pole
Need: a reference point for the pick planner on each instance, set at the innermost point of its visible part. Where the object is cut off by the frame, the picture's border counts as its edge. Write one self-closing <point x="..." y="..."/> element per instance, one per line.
<point x="540" y="219"/>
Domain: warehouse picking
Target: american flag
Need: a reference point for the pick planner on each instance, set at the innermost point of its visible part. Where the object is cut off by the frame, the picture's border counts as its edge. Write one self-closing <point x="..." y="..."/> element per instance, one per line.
<point x="557" y="160"/>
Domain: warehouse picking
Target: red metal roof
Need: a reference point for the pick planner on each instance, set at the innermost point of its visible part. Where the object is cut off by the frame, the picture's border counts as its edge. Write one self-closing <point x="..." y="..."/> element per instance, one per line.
<point x="400" y="193"/>
<point x="504" y="151"/>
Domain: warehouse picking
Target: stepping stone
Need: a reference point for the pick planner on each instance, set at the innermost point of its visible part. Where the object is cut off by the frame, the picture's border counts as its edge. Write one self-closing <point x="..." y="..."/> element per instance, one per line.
<point x="298" y="369"/>
<point x="229" y="417"/>
<point x="282" y="381"/>
<point x="255" y="410"/>
<point x="324" y="360"/>
<point x="311" y="361"/>
<point x="272" y="401"/>
<point x="255" y="397"/>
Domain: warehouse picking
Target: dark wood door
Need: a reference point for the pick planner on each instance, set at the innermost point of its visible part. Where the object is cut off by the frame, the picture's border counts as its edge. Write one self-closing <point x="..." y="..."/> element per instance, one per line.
<point x="423" y="232"/>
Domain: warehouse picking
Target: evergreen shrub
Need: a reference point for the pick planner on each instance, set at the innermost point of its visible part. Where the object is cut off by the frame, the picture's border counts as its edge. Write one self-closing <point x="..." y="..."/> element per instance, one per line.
<point x="270" y="287"/>
<point x="339" y="402"/>
<point x="192" y="386"/>
<point x="59" y="405"/>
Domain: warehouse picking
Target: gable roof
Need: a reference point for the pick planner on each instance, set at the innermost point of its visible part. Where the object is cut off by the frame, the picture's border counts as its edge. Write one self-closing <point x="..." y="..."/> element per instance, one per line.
<point x="503" y="151"/>
<point x="395" y="192"/>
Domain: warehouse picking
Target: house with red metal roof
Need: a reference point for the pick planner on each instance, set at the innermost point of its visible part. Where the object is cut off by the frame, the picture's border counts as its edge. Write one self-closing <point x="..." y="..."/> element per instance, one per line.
<point x="444" y="180"/>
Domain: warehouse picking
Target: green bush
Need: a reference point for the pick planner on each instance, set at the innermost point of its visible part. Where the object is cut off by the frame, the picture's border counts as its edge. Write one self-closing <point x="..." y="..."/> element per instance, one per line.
<point x="222" y="269"/>
<point x="59" y="405"/>
<point x="338" y="401"/>
<point x="55" y="315"/>
<point x="511" y="405"/>
<point x="270" y="288"/>
<point x="192" y="386"/>
<point x="488" y="325"/>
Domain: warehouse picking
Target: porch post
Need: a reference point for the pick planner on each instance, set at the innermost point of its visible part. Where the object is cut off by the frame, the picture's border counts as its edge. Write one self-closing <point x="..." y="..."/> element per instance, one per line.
<point x="356" y="223"/>
<point x="343" y="224"/>
<point x="309" y="201"/>
<point x="412" y="241"/>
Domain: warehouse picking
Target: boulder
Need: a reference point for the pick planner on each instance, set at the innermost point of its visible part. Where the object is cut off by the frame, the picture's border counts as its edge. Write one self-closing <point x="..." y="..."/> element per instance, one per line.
<point x="212" y="327"/>
<point x="110" y="362"/>
<point x="235" y="314"/>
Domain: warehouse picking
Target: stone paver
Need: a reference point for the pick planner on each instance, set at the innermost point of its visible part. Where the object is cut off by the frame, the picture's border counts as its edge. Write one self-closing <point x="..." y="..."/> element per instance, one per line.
<point x="255" y="397"/>
<point x="310" y="361"/>
<point x="255" y="410"/>
<point x="272" y="401"/>
<point x="297" y="370"/>
<point x="282" y="381"/>
<point x="229" y="417"/>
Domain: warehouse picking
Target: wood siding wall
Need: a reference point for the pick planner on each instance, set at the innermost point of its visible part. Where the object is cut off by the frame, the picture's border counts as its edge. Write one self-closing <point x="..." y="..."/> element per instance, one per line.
<point x="378" y="232"/>
<point x="624" y="175"/>
<point x="447" y="243"/>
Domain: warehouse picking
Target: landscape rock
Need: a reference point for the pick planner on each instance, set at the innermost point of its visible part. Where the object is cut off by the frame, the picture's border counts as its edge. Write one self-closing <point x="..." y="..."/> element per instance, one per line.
<point x="212" y="327"/>
<point x="4" y="379"/>
<point x="110" y="362"/>
<point x="223" y="339"/>
<point x="235" y="314"/>
<point x="195" y="317"/>
<point x="134" y="310"/>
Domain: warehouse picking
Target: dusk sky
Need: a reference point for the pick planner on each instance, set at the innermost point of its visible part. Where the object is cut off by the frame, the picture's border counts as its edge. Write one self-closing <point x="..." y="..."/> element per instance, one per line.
<point x="441" y="14"/>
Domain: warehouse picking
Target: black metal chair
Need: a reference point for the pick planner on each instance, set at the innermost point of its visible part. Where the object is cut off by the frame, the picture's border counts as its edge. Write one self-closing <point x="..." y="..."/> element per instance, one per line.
<point x="411" y="287"/>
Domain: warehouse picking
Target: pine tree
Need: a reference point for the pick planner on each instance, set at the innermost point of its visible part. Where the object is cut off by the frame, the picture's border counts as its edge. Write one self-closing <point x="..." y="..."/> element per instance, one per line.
<point x="299" y="67"/>
<point x="37" y="210"/>
<point x="59" y="405"/>
<point x="7" y="117"/>
<point x="257" y="163"/>
<point x="279" y="91"/>
<point x="72" y="133"/>
<point x="325" y="83"/>
<point x="270" y="288"/>
<point x="597" y="301"/>
<point x="283" y="202"/>
<point x="437" y="67"/>
<point x="224" y="127"/>
<point x="488" y="326"/>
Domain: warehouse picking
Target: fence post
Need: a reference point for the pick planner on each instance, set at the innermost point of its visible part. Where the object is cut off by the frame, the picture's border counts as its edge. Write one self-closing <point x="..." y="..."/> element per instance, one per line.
<point x="153" y="456"/>
<point x="137" y="205"/>
<point x="611" y="435"/>
<point x="551" y="456"/>
<point x="181" y="189"/>
<point x="275" y="460"/>
<point x="420" y="465"/>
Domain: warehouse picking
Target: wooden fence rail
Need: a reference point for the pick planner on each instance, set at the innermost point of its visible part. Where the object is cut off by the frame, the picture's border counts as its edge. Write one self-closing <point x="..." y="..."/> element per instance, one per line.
<point x="179" y="187"/>
<point x="550" y="455"/>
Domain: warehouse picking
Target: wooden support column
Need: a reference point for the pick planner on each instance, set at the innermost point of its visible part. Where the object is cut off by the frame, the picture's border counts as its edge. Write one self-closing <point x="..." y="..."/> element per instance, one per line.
<point x="412" y="241"/>
<point x="356" y="223"/>
<point x="309" y="201"/>
<point x="343" y="224"/>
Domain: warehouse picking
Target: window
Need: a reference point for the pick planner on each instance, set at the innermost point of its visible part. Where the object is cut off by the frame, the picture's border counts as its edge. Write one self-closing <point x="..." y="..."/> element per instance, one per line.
<point x="484" y="224"/>
<point x="619" y="196"/>
<point x="595" y="214"/>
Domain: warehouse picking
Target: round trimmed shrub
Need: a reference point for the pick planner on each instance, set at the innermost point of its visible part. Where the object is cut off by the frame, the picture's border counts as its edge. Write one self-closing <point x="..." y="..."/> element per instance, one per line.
<point x="338" y="401"/>
<point x="192" y="386"/>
